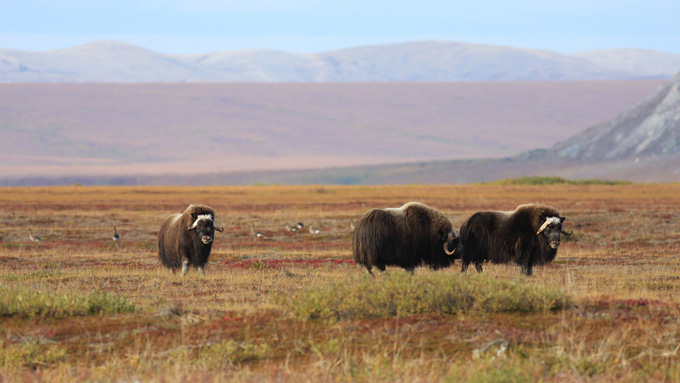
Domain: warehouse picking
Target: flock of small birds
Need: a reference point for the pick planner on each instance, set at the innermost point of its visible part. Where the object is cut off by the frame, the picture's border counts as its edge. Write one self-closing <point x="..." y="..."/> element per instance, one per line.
<point x="296" y="228"/>
<point x="255" y="233"/>
<point x="35" y="238"/>
<point x="291" y="228"/>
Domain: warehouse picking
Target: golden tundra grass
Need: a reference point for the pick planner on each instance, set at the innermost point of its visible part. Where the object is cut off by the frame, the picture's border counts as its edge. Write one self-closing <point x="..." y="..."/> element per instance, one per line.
<point x="78" y="307"/>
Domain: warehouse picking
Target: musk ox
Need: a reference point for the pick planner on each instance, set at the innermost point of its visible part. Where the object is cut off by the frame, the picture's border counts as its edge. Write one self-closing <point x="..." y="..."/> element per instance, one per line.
<point x="186" y="239"/>
<point x="409" y="236"/>
<point x="528" y="236"/>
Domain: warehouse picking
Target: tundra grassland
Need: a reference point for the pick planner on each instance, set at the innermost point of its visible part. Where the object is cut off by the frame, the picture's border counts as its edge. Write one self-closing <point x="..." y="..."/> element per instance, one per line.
<point x="79" y="307"/>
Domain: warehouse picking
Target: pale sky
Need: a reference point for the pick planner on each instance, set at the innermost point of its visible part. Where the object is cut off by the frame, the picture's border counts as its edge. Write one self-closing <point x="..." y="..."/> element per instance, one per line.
<point x="201" y="26"/>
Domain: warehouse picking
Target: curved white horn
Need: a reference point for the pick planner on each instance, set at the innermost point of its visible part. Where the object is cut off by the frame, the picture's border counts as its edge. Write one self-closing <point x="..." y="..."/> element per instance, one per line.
<point x="446" y="250"/>
<point x="200" y="217"/>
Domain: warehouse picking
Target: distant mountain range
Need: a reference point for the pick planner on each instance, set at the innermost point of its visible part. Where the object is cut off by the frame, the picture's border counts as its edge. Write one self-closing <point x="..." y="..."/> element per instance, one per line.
<point x="427" y="61"/>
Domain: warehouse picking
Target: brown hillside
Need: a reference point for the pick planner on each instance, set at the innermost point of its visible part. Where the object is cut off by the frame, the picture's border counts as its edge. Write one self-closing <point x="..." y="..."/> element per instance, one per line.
<point x="104" y="129"/>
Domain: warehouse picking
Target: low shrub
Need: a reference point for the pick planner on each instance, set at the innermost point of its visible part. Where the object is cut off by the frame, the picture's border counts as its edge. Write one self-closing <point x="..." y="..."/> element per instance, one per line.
<point x="231" y="352"/>
<point x="26" y="303"/>
<point x="31" y="353"/>
<point x="555" y="181"/>
<point x="402" y="294"/>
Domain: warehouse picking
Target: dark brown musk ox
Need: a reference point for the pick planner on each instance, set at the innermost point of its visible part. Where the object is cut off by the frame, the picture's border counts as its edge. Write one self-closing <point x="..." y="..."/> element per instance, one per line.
<point x="408" y="236"/>
<point x="528" y="236"/>
<point x="186" y="239"/>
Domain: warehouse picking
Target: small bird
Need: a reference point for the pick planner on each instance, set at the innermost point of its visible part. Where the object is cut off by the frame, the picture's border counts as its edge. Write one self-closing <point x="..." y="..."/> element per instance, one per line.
<point x="254" y="232"/>
<point x="115" y="237"/>
<point x="313" y="230"/>
<point x="33" y="238"/>
<point x="290" y="228"/>
<point x="300" y="225"/>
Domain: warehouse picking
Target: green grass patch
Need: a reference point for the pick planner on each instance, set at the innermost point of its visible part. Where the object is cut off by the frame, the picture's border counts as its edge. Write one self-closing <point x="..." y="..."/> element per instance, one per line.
<point x="230" y="352"/>
<point x="30" y="353"/>
<point x="26" y="303"/>
<point x="401" y="294"/>
<point x="555" y="181"/>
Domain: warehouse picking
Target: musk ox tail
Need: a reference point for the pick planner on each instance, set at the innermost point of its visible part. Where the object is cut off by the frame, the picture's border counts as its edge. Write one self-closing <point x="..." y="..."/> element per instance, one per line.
<point x="374" y="242"/>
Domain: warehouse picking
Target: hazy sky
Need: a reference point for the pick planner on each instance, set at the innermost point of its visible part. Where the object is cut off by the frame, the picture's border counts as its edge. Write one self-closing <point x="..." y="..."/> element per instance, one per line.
<point x="199" y="26"/>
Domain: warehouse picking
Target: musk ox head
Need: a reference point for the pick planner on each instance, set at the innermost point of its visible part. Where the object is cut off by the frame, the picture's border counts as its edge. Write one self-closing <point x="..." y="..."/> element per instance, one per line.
<point x="451" y="243"/>
<point x="204" y="227"/>
<point x="551" y="228"/>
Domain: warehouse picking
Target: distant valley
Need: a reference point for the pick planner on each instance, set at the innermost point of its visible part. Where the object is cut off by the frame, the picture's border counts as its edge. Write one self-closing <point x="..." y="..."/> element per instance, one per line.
<point x="104" y="131"/>
<point x="429" y="112"/>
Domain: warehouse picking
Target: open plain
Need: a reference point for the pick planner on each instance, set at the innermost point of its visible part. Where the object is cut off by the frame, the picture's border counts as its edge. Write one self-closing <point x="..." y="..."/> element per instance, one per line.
<point x="79" y="307"/>
<point x="101" y="130"/>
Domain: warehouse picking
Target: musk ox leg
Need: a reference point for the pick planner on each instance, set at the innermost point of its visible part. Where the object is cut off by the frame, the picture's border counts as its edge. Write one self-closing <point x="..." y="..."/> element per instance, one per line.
<point x="203" y="270"/>
<point x="527" y="270"/>
<point x="478" y="267"/>
<point x="185" y="268"/>
<point x="466" y="263"/>
<point x="370" y="270"/>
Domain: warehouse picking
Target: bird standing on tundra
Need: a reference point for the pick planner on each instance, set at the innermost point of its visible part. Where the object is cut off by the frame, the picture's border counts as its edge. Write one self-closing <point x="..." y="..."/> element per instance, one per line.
<point x="255" y="233"/>
<point x="33" y="238"/>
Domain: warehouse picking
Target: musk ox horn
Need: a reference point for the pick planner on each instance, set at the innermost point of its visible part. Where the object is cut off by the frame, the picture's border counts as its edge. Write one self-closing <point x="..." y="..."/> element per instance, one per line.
<point x="547" y="222"/>
<point x="446" y="250"/>
<point x="567" y="234"/>
<point x="200" y="217"/>
<point x="220" y="229"/>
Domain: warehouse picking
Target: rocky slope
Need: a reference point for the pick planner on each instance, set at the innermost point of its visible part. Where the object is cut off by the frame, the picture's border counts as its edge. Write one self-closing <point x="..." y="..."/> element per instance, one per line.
<point x="649" y="130"/>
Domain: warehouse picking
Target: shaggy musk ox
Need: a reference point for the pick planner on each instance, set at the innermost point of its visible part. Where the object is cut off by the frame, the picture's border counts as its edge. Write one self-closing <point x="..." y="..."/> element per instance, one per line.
<point x="528" y="236"/>
<point x="409" y="236"/>
<point x="186" y="239"/>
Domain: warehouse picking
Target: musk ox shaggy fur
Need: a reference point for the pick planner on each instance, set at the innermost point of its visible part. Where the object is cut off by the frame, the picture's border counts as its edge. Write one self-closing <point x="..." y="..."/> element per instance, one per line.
<point x="409" y="236"/>
<point x="185" y="239"/>
<point x="528" y="236"/>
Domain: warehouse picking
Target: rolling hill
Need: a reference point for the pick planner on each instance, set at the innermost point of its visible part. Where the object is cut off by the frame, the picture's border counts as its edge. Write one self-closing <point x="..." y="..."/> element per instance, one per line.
<point x="641" y="144"/>
<point x="111" y="61"/>
<point x="248" y="133"/>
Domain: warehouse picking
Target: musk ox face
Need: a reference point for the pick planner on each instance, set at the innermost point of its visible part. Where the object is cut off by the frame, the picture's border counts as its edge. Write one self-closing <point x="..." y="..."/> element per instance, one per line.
<point x="204" y="227"/>
<point x="550" y="230"/>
